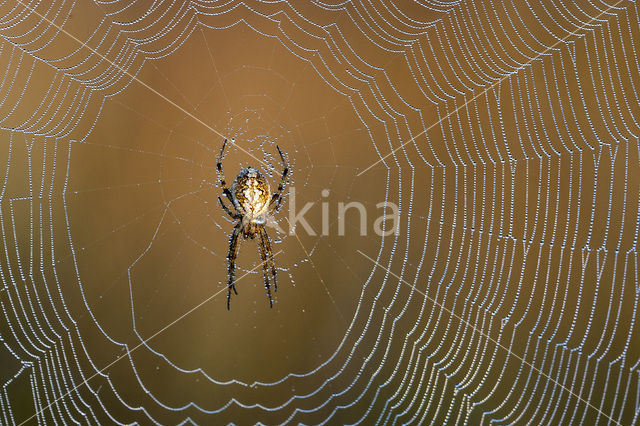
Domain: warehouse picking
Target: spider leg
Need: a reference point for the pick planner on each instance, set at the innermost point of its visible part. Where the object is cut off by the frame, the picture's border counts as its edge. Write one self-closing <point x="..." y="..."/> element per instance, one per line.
<point x="231" y="257"/>
<point x="223" y="182"/>
<point x="276" y="199"/>
<point x="265" y="264"/>
<point x="266" y="241"/>
<point x="226" y="209"/>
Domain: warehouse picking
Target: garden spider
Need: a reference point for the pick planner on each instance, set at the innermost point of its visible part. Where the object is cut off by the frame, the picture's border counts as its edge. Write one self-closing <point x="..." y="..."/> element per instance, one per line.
<point x="251" y="197"/>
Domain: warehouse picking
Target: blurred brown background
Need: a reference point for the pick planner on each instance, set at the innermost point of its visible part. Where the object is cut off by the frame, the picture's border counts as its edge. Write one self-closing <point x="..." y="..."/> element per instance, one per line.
<point x="514" y="272"/>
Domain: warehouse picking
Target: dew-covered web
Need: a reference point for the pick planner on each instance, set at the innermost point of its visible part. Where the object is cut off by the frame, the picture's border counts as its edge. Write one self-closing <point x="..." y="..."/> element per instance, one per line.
<point x="506" y="133"/>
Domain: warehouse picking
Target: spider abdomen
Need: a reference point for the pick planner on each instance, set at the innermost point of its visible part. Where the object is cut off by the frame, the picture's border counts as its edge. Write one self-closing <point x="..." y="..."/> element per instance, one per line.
<point x="252" y="193"/>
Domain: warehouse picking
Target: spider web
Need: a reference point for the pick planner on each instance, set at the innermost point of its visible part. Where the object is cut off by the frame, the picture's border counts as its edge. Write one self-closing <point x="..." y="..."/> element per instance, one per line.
<point x="505" y="132"/>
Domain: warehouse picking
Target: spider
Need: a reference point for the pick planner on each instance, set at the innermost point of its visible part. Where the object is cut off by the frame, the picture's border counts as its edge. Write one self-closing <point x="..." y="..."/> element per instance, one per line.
<point x="250" y="196"/>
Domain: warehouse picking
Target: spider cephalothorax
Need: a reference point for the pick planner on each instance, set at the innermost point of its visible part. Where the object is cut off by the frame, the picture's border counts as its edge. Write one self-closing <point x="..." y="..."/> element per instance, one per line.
<point x="251" y="197"/>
